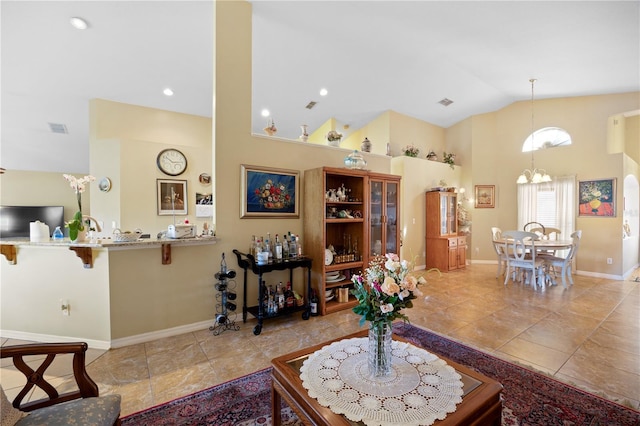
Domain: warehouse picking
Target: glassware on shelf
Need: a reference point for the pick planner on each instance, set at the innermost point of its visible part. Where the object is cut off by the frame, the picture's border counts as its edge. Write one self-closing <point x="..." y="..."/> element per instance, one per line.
<point x="355" y="160"/>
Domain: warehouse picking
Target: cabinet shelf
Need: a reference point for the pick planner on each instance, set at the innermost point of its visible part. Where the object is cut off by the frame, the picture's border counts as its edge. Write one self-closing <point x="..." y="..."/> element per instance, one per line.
<point x="344" y="203"/>
<point x="341" y="220"/>
<point x="341" y="266"/>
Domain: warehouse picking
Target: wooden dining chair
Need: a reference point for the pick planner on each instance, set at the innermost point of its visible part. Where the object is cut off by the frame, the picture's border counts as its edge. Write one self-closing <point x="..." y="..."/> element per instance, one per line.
<point x="522" y="261"/>
<point x="496" y="235"/>
<point x="565" y="263"/>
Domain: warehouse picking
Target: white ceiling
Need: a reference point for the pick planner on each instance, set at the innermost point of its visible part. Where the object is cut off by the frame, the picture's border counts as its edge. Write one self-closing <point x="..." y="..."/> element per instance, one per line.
<point x="371" y="56"/>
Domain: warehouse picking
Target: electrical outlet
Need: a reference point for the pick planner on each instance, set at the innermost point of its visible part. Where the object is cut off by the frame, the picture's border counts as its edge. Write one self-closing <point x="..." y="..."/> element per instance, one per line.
<point x="64" y="306"/>
<point x="609" y="261"/>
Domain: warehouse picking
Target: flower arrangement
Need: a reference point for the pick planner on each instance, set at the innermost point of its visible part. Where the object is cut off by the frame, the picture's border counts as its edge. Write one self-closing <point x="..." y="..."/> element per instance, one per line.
<point x="449" y="158"/>
<point x="411" y="151"/>
<point x="273" y="195"/>
<point x="385" y="289"/>
<point x="334" y="136"/>
<point x="75" y="225"/>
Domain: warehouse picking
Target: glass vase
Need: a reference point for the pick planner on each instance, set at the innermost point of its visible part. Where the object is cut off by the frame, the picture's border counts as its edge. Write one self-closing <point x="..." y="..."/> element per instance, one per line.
<point x="380" y="338"/>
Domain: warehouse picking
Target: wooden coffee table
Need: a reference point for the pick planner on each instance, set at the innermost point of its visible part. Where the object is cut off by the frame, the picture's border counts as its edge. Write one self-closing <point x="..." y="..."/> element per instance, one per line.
<point x="481" y="404"/>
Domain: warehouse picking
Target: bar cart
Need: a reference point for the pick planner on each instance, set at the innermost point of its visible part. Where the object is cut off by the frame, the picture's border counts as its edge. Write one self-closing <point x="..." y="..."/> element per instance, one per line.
<point x="248" y="262"/>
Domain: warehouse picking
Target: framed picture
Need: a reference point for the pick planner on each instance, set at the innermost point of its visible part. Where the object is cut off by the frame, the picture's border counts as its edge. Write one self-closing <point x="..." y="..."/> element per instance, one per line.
<point x="172" y="197"/>
<point x="597" y="198"/>
<point x="485" y="196"/>
<point x="267" y="192"/>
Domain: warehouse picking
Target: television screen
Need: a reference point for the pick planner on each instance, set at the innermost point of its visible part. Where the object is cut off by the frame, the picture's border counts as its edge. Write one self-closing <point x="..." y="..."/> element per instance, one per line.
<point x="14" y="220"/>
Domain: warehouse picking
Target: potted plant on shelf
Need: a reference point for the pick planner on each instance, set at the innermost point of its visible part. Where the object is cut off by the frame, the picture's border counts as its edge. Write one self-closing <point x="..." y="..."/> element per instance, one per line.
<point x="411" y="151"/>
<point x="334" y="138"/>
<point x="449" y="159"/>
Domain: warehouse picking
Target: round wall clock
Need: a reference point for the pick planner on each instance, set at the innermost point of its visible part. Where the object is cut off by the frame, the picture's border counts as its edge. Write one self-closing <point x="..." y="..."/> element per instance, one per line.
<point x="172" y="162"/>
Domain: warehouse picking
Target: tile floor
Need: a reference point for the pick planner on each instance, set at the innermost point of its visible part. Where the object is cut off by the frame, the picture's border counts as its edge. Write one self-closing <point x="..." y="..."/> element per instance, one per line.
<point x="588" y="335"/>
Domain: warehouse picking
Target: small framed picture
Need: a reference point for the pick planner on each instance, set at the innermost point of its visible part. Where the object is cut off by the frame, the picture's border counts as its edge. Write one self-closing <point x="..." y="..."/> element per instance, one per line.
<point x="485" y="196"/>
<point x="172" y="197"/>
<point x="269" y="193"/>
<point x="597" y="198"/>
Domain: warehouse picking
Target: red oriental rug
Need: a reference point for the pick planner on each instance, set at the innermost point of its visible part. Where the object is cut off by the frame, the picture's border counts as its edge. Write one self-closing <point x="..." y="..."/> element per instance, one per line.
<point x="529" y="398"/>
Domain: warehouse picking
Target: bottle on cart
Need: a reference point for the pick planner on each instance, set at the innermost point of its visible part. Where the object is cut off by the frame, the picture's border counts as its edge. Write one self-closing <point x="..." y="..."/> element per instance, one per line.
<point x="223" y="265"/>
<point x="299" y="246"/>
<point x="278" y="249"/>
<point x="313" y="303"/>
<point x="293" y="248"/>
<point x="252" y="247"/>
<point x="285" y="247"/>
<point x="289" y="298"/>
<point x="280" y="296"/>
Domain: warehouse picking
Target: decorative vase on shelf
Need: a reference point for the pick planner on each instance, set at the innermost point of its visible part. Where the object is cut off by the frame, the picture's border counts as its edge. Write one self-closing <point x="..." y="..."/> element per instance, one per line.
<point x="365" y="146"/>
<point x="432" y="156"/>
<point x="304" y="136"/>
<point x="380" y="340"/>
<point x="388" y="149"/>
<point x="271" y="128"/>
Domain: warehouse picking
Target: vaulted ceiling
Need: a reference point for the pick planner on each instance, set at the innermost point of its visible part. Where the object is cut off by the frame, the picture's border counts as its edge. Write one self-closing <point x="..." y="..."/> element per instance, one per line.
<point x="370" y="56"/>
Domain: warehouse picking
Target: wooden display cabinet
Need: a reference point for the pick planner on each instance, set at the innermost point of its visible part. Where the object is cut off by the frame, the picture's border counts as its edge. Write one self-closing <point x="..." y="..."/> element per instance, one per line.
<point x="338" y="206"/>
<point x="446" y="250"/>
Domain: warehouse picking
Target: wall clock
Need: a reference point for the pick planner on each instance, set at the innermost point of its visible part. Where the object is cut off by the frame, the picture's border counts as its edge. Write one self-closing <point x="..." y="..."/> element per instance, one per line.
<point x="172" y="162"/>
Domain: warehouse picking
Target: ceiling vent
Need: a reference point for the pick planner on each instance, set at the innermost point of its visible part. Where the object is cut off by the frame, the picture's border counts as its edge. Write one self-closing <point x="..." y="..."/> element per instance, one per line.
<point x="311" y="104"/>
<point x="58" y="128"/>
<point x="445" y="102"/>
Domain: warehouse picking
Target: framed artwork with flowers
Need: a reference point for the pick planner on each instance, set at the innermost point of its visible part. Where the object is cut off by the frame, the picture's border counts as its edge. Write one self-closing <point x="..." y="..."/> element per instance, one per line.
<point x="269" y="193"/>
<point x="597" y="198"/>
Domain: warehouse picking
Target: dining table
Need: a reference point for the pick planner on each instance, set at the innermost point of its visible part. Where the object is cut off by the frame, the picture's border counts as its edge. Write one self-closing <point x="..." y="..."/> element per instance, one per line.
<point x="543" y="246"/>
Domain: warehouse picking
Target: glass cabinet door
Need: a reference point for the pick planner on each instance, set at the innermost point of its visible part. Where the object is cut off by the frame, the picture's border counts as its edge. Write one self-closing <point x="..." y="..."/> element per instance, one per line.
<point x="444" y="222"/>
<point x="375" y="232"/>
<point x="453" y="216"/>
<point x="391" y="207"/>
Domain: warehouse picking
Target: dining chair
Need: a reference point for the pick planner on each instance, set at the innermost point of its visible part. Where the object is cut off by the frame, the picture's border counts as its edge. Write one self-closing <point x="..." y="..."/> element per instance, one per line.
<point x="547" y="233"/>
<point x="496" y="234"/>
<point x="521" y="258"/>
<point x="566" y="263"/>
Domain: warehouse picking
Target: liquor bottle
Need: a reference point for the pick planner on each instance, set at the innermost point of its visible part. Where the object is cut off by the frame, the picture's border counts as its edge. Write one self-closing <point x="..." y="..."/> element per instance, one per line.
<point x="293" y="248"/>
<point x="285" y="247"/>
<point x="280" y="296"/>
<point x="313" y="303"/>
<point x="267" y="247"/>
<point x="252" y="247"/>
<point x="289" y="298"/>
<point x="299" y="245"/>
<point x="223" y="265"/>
<point x="278" y="249"/>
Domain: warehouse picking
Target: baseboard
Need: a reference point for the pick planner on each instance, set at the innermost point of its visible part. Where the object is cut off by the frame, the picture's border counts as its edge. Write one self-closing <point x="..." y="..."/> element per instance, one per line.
<point x="50" y="338"/>
<point x="160" y="334"/>
<point x="578" y="272"/>
<point x="116" y="343"/>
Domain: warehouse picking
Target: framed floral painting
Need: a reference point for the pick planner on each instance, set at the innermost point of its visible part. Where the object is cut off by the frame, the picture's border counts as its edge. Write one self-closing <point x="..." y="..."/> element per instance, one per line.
<point x="269" y="192"/>
<point x="597" y="198"/>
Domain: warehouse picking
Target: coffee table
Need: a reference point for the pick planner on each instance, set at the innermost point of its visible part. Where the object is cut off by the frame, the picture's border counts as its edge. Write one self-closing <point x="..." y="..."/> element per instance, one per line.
<point x="481" y="403"/>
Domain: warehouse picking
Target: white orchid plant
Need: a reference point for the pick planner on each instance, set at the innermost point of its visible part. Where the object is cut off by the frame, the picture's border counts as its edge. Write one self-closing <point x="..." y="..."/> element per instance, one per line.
<point x="76" y="224"/>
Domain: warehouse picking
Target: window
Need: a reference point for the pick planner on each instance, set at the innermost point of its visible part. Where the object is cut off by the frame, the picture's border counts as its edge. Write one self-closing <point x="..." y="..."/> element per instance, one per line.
<point x="551" y="204"/>
<point x="548" y="137"/>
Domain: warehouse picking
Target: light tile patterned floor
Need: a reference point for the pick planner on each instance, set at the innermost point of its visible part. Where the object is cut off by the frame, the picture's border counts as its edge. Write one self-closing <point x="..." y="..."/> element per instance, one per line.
<point x="588" y="335"/>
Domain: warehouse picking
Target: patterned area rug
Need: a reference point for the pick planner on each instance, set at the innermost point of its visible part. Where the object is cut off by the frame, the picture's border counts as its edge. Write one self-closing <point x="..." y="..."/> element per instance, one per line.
<point x="529" y="398"/>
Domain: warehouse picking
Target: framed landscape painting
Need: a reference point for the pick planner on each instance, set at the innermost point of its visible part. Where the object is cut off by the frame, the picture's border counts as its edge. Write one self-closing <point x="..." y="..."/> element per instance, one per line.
<point x="485" y="196"/>
<point x="269" y="192"/>
<point x="597" y="198"/>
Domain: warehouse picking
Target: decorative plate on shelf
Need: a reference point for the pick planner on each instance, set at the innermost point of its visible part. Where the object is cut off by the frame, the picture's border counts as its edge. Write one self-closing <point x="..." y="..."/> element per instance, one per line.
<point x="328" y="257"/>
<point x="336" y="279"/>
<point x="326" y="299"/>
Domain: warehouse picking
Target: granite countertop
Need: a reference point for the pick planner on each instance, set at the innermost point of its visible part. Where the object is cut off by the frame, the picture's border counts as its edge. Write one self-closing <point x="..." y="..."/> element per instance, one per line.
<point x="108" y="242"/>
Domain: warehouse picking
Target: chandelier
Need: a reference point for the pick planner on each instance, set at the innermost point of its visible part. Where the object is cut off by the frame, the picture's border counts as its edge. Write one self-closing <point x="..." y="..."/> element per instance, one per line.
<point x="533" y="175"/>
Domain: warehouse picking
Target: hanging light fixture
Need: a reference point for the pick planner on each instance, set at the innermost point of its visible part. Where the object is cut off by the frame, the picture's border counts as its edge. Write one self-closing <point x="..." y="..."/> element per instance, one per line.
<point x="533" y="175"/>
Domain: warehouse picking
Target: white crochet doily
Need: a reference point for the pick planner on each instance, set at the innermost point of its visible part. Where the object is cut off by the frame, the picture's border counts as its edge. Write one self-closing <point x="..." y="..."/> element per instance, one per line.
<point x="421" y="388"/>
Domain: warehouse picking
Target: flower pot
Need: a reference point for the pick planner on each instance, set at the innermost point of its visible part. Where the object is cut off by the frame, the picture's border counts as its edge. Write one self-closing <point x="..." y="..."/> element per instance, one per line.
<point x="335" y="142"/>
<point x="81" y="238"/>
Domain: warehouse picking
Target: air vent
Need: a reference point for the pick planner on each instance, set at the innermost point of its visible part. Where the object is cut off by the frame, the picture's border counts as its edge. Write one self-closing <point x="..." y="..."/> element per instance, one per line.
<point x="445" y="102"/>
<point x="311" y="104"/>
<point x="58" y="128"/>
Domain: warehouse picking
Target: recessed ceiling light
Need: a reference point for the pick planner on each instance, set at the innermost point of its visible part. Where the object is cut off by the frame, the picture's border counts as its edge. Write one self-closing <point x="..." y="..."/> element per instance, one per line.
<point x="323" y="92"/>
<point x="265" y="113"/>
<point x="168" y="92"/>
<point x="79" y="23"/>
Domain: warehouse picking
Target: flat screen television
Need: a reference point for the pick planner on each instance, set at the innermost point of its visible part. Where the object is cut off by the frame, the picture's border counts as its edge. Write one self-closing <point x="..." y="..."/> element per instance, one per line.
<point x="14" y="220"/>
